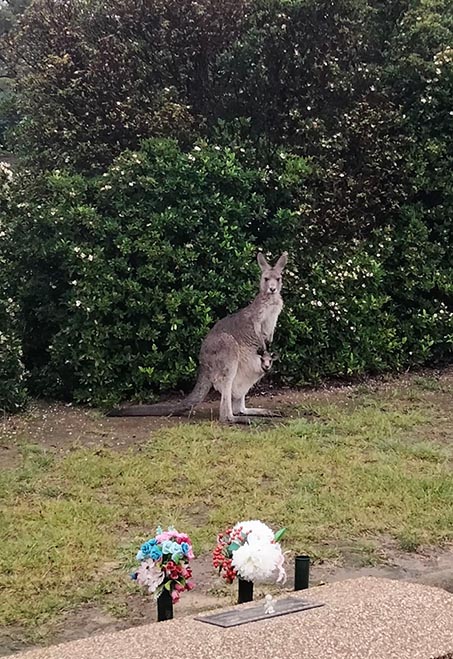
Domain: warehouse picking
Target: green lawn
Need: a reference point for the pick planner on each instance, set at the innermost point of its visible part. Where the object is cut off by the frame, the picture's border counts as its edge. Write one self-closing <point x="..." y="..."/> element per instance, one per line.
<point x="353" y="471"/>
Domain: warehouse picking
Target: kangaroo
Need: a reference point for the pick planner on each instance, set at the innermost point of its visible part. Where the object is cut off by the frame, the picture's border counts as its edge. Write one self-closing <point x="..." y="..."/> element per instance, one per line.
<point x="229" y="357"/>
<point x="267" y="359"/>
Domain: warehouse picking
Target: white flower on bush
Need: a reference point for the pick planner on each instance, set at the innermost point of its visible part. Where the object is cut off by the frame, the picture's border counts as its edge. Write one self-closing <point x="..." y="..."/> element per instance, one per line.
<point x="6" y="177"/>
<point x="444" y="56"/>
<point x="6" y="172"/>
<point x="260" y="557"/>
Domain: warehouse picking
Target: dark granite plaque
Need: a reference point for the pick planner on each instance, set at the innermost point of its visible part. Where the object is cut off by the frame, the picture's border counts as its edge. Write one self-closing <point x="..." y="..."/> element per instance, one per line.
<point x="254" y="613"/>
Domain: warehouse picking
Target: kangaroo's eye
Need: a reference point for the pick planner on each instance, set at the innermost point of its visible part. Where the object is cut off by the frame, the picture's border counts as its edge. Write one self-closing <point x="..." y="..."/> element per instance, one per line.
<point x="266" y="278"/>
<point x="278" y="279"/>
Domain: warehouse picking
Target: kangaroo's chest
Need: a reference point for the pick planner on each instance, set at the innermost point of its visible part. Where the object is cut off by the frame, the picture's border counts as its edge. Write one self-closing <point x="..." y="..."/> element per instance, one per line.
<point x="269" y="319"/>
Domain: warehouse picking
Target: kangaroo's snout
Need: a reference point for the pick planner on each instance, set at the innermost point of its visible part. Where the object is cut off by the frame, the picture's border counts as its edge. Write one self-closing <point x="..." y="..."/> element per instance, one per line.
<point x="272" y="289"/>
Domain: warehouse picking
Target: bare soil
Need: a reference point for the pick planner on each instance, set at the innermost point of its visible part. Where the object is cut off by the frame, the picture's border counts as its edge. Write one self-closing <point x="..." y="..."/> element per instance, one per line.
<point x="61" y="427"/>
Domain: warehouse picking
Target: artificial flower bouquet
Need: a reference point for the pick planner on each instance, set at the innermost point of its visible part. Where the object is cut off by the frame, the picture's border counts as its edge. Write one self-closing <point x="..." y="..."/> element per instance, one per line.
<point x="251" y="551"/>
<point x="164" y="563"/>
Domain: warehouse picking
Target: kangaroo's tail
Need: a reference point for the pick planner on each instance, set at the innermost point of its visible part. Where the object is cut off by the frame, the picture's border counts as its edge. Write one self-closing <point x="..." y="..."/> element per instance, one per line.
<point x="197" y="396"/>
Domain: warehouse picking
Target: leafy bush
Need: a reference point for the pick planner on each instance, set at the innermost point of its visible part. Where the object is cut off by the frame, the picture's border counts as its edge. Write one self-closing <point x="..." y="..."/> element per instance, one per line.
<point x="12" y="380"/>
<point x="165" y="142"/>
<point x="359" y="307"/>
<point x="122" y="275"/>
<point x="13" y="393"/>
<point x="420" y="75"/>
<point x="305" y="74"/>
<point x="10" y="10"/>
<point x="6" y="110"/>
<point x="104" y="76"/>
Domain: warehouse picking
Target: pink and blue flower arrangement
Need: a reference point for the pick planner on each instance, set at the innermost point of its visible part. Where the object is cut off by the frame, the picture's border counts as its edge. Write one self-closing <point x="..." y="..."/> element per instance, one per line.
<point x="164" y="563"/>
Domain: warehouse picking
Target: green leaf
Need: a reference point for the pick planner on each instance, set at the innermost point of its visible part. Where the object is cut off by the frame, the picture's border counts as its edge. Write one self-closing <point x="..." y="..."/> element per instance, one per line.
<point x="279" y="535"/>
<point x="233" y="546"/>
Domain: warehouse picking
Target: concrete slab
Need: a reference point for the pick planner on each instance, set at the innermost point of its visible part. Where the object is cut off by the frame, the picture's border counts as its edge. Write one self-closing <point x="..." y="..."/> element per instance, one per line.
<point x="363" y="618"/>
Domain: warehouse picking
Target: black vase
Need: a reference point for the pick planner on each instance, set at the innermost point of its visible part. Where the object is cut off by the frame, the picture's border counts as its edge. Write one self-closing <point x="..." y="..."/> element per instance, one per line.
<point x="164" y="606"/>
<point x="245" y="591"/>
<point x="301" y="572"/>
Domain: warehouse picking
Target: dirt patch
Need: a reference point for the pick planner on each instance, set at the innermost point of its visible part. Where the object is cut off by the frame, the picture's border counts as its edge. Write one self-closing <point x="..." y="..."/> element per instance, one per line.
<point x="9" y="456"/>
<point x="141" y="610"/>
<point x="13" y="639"/>
<point x="429" y="566"/>
<point x="61" y="427"/>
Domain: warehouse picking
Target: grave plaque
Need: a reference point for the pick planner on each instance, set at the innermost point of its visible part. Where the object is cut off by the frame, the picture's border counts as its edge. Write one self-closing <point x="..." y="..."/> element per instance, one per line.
<point x="254" y="613"/>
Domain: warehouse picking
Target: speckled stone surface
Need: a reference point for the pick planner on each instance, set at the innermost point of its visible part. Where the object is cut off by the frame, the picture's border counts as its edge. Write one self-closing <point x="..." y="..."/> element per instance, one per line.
<point x="363" y="618"/>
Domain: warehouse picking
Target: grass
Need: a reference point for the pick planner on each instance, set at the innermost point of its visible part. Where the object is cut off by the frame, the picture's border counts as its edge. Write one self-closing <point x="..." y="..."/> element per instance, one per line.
<point x="352" y="473"/>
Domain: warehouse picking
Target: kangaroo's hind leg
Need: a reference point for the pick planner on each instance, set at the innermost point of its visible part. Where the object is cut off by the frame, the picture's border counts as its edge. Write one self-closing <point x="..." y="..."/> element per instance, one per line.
<point x="239" y="407"/>
<point x="226" y="414"/>
<point x="221" y="356"/>
<point x="225" y="387"/>
<point x="226" y="407"/>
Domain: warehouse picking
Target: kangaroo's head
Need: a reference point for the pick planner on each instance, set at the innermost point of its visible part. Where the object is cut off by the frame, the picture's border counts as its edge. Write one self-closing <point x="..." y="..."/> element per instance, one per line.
<point x="271" y="277"/>
<point x="267" y="359"/>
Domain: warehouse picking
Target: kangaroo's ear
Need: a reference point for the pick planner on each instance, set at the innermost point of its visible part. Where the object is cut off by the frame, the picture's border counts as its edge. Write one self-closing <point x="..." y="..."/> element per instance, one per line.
<point x="282" y="261"/>
<point x="264" y="265"/>
<point x="275" y="356"/>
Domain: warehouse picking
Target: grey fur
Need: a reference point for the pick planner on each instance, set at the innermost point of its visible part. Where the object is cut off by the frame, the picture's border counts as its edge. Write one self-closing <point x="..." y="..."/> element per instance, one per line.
<point x="230" y="359"/>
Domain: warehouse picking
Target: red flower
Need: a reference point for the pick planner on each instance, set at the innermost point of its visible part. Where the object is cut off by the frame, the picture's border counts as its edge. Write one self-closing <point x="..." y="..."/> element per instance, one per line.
<point x="172" y="570"/>
<point x="186" y="573"/>
<point x="222" y="555"/>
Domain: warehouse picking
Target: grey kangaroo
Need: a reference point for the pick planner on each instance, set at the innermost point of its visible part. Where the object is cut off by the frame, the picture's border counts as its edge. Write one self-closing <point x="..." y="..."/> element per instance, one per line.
<point x="230" y="359"/>
<point x="267" y="359"/>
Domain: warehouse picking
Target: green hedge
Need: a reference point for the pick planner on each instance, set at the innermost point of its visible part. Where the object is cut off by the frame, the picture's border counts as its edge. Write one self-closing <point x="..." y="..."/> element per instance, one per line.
<point x="12" y="372"/>
<point x="121" y="276"/>
<point x="162" y="143"/>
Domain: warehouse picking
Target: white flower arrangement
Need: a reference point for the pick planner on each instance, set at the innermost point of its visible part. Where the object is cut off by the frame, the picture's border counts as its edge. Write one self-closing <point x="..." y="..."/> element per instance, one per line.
<point x="251" y="551"/>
